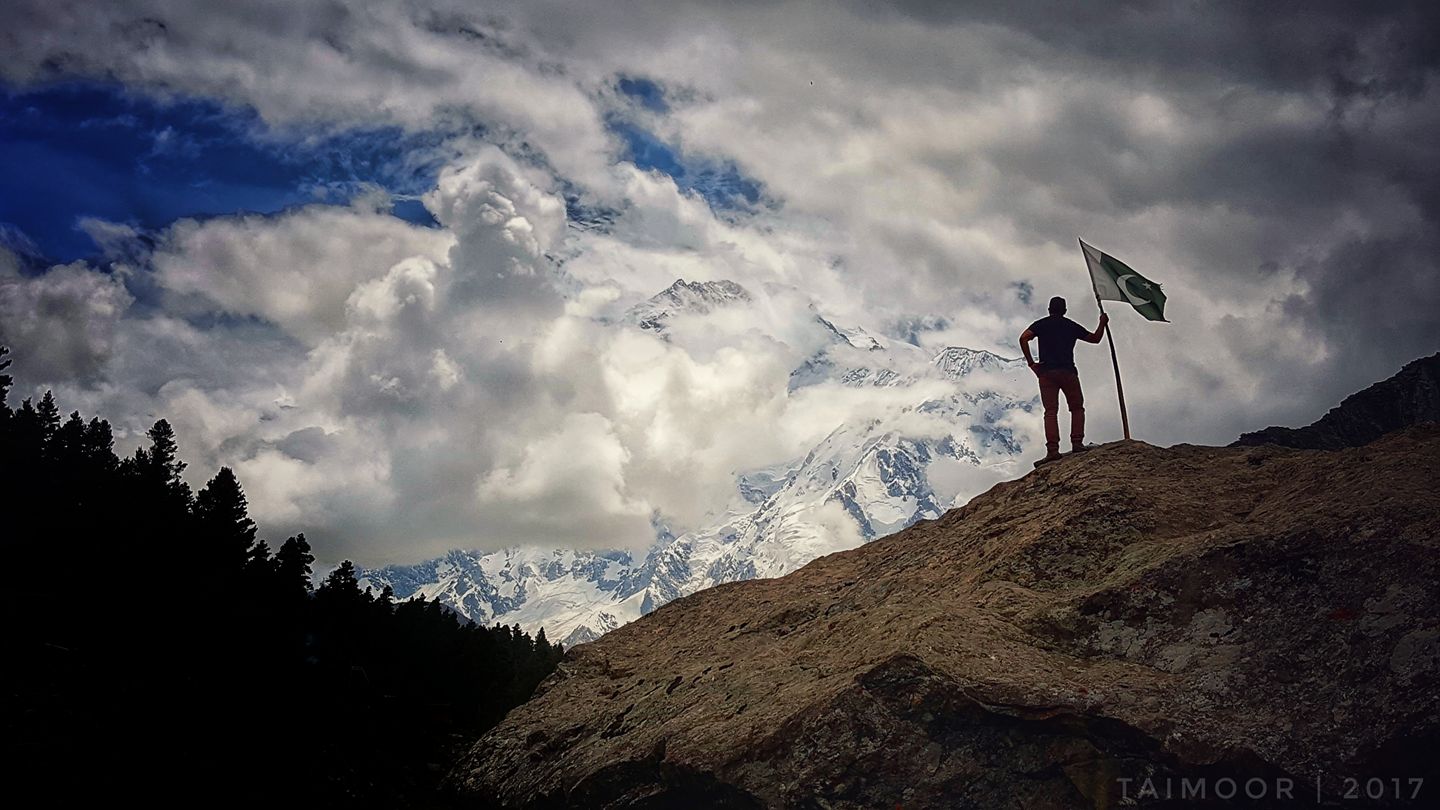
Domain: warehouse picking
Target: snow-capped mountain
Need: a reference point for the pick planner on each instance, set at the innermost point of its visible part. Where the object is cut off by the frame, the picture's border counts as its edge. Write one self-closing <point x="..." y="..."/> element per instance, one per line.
<point x="956" y="362"/>
<point x="695" y="297"/>
<point x="943" y="431"/>
<point x="579" y="594"/>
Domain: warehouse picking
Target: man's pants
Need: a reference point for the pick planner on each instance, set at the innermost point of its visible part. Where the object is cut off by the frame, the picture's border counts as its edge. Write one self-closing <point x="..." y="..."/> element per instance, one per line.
<point x="1052" y="382"/>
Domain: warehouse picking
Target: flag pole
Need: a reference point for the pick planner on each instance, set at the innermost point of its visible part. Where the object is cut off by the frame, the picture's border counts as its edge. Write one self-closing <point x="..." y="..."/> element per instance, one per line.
<point x="1114" y="360"/>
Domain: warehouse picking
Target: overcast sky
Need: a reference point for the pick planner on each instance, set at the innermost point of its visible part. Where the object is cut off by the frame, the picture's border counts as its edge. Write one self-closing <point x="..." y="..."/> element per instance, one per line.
<point x="349" y="249"/>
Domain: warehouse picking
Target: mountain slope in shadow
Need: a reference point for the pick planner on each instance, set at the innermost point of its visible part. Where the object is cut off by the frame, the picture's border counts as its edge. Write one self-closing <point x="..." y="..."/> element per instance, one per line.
<point x="1411" y="397"/>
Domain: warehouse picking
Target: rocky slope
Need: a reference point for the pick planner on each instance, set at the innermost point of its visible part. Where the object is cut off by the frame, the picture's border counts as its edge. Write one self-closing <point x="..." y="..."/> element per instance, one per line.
<point x="1411" y="397"/>
<point x="1186" y="613"/>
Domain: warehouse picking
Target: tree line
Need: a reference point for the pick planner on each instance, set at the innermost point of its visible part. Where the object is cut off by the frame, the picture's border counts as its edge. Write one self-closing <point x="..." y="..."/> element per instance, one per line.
<point x="158" y="649"/>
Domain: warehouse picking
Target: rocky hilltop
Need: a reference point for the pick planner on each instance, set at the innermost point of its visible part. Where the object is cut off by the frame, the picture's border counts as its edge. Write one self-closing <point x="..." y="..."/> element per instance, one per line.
<point x="1411" y="397"/>
<point x="1136" y="613"/>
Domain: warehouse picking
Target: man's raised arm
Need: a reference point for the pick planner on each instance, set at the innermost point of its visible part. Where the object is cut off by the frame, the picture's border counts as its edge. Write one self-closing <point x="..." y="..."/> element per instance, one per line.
<point x="1093" y="337"/>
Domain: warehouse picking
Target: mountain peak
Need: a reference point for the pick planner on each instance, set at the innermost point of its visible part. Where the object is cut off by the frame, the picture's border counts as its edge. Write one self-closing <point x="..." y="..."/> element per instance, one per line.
<point x="722" y="289"/>
<point x="957" y="361"/>
<point x="853" y="336"/>
<point x="1410" y="397"/>
<point x="1148" y="612"/>
<point x="695" y="297"/>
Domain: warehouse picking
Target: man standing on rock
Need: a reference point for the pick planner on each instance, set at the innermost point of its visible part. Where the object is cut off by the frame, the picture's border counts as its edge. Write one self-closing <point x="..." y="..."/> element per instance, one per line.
<point x="1057" y="373"/>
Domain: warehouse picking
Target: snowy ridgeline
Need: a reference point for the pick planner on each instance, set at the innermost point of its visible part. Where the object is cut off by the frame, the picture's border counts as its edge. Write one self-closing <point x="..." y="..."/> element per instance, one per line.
<point x="945" y="434"/>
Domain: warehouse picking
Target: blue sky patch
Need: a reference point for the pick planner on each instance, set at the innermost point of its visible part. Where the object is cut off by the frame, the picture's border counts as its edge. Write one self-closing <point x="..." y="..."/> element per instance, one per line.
<point x="81" y="150"/>
<point x="649" y="94"/>
<point x="719" y="182"/>
<point x="88" y="149"/>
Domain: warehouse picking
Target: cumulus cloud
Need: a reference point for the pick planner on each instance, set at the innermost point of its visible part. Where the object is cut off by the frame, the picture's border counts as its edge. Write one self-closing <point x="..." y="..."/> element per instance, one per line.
<point x="64" y="320"/>
<point x="297" y="270"/>
<point x="580" y="465"/>
<point x="926" y="167"/>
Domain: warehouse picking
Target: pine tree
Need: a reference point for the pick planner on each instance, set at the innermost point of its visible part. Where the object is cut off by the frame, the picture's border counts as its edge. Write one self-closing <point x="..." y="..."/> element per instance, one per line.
<point x="341" y="584"/>
<point x="258" y="565"/>
<point x="69" y="442"/>
<point x="220" y="514"/>
<point x="49" y="414"/>
<point x="27" y="431"/>
<point x="165" y="463"/>
<point x="72" y="484"/>
<point x="292" y="566"/>
<point x="99" y="446"/>
<point x="158" y="470"/>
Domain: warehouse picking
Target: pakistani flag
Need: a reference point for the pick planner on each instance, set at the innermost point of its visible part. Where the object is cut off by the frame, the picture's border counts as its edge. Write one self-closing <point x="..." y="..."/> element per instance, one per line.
<point x="1115" y="281"/>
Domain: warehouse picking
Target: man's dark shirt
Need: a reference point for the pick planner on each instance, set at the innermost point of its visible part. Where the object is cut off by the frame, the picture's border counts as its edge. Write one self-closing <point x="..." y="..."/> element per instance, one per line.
<point x="1057" y="335"/>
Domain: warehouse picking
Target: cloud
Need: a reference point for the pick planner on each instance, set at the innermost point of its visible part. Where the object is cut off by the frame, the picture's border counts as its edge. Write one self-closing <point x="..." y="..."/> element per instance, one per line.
<point x="398" y="390"/>
<point x="505" y="225"/>
<point x="63" y="322"/>
<point x="328" y="65"/>
<point x="579" y="469"/>
<point x="296" y="270"/>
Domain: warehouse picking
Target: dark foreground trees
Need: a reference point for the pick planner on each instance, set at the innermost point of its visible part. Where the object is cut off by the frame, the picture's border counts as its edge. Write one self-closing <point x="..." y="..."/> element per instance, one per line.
<point x="155" y="649"/>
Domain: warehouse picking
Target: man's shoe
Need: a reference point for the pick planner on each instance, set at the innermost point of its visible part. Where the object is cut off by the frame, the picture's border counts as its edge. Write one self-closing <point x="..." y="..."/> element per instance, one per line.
<point x="1081" y="448"/>
<point x="1053" y="455"/>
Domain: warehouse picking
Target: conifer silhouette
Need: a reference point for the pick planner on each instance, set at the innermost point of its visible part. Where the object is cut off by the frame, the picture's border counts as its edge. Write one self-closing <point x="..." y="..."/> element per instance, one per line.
<point x="221" y="515"/>
<point x="292" y="567"/>
<point x="181" y="696"/>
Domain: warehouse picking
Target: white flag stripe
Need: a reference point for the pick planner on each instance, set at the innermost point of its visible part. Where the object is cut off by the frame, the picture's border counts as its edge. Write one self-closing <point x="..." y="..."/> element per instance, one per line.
<point x="1105" y="287"/>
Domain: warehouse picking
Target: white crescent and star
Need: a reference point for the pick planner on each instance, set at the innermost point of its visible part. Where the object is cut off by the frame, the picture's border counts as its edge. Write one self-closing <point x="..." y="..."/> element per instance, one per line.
<point x="1125" y="290"/>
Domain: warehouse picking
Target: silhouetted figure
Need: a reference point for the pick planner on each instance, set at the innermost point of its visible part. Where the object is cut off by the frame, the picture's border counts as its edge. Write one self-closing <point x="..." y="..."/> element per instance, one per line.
<point x="1057" y="373"/>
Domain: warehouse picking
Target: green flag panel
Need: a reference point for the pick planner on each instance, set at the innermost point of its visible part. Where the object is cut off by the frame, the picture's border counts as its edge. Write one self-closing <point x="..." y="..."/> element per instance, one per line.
<point x="1116" y="281"/>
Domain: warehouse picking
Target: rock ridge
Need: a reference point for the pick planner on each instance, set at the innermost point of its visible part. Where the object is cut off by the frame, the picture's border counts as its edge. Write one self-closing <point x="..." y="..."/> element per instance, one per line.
<point x="1261" y="613"/>
<point x="1411" y="397"/>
